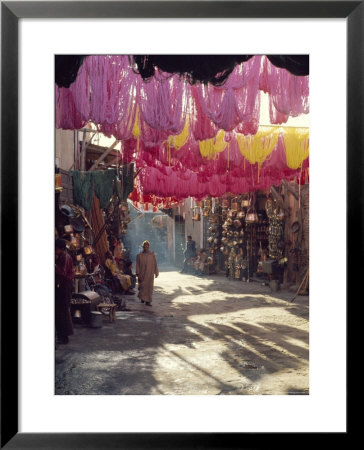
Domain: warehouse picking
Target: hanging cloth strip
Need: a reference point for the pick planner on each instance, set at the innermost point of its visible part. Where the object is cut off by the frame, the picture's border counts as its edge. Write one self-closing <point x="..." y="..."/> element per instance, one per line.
<point x="104" y="185"/>
<point x="83" y="189"/>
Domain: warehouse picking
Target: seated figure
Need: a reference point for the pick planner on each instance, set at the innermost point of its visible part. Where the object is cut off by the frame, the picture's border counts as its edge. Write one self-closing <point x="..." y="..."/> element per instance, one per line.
<point x="125" y="280"/>
<point x="199" y="263"/>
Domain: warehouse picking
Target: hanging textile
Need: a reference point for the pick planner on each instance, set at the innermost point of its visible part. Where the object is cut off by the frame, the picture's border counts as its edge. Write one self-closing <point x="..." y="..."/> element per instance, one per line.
<point x="102" y="184"/>
<point x="83" y="189"/>
<point x="125" y="181"/>
<point x="103" y="181"/>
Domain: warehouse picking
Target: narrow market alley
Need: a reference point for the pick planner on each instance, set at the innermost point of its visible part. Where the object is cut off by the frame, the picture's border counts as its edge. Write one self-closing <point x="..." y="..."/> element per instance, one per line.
<point x="201" y="336"/>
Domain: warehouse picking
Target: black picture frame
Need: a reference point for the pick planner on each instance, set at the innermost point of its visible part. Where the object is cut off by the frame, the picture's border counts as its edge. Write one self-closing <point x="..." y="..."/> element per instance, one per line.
<point x="11" y="12"/>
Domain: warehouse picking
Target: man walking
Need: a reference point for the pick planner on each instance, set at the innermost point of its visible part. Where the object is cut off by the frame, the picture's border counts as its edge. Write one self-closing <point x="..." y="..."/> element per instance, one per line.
<point x="146" y="270"/>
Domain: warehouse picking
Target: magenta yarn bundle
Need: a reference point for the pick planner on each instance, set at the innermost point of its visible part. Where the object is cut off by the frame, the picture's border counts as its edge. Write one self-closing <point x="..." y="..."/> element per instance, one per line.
<point x="288" y="93"/>
<point x="67" y="115"/>
<point x="229" y="172"/>
<point x="154" y="181"/>
<point x="233" y="102"/>
<point x="163" y="103"/>
<point x="107" y="91"/>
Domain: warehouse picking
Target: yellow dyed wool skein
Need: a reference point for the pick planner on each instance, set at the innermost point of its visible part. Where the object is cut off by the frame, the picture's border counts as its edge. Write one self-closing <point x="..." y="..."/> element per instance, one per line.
<point x="209" y="148"/>
<point x="296" y="142"/>
<point x="178" y="141"/>
<point x="256" y="148"/>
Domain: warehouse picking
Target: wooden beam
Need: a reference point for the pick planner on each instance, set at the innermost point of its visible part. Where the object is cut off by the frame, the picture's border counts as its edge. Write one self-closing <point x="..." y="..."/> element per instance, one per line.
<point x="83" y="152"/>
<point x="103" y="156"/>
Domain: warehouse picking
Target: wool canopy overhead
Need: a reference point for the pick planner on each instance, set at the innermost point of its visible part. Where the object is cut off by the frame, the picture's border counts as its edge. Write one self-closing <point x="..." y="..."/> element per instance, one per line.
<point x="110" y="94"/>
<point x="212" y="69"/>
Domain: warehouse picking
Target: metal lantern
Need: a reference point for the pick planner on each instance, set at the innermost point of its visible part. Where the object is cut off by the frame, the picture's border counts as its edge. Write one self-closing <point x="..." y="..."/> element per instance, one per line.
<point x="225" y="203"/>
<point x="235" y="204"/>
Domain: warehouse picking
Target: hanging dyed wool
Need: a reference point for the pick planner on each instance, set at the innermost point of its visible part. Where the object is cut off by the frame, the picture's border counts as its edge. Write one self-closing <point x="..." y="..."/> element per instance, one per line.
<point x="296" y="141"/>
<point x="256" y="148"/>
<point x="211" y="147"/>
<point x="235" y="101"/>
<point x="162" y="103"/>
<point x="67" y="116"/>
<point x="179" y="140"/>
<point x="202" y="126"/>
<point x="104" y="73"/>
<point x="81" y="91"/>
<point x="276" y="117"/>
<point x="289" y="93"/>
<point x="136" y="128"/>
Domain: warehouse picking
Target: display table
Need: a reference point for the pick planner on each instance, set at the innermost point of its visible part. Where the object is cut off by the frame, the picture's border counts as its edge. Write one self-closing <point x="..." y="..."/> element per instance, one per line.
<point x="85" y="302"/>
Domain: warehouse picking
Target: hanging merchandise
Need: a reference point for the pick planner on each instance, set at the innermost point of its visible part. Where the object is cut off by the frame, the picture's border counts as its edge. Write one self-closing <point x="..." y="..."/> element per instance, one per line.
<point x="276" y="224"/>
<point x="235" y="203"/>
<point x="196" y="214"/>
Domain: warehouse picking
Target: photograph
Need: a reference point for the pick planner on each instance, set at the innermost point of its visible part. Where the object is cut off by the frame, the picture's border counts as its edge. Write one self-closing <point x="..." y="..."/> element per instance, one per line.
<point x="182" y="224"/>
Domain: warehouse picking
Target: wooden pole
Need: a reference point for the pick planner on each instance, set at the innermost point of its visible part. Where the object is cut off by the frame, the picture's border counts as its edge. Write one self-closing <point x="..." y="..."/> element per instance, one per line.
<point x="304" y="280"/>
<point x="83" y="152"/>
<point x="103" y="156"/>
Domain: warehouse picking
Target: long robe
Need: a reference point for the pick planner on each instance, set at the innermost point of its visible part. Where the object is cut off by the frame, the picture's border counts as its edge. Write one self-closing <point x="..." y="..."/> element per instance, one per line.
<point x="63" y="294"/>
<point x="146" y="269"/>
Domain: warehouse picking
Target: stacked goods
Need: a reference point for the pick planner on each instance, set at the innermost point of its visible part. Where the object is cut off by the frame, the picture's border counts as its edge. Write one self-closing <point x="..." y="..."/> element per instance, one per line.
<point x="276" y="228"/>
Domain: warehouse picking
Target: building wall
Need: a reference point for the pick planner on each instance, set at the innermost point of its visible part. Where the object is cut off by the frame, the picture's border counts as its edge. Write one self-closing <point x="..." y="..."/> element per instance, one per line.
<point x="170" y="238"/>
<point x="64" y="149"/>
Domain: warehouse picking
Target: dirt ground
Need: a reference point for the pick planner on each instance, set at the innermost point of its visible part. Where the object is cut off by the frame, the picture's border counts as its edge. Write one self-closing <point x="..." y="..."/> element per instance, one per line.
<point x="201" y="336"/>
